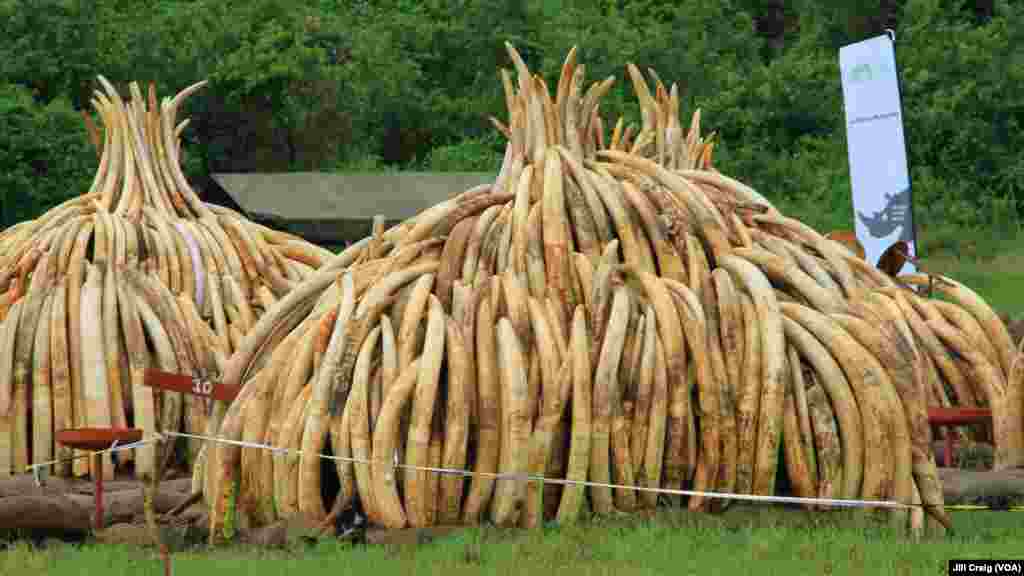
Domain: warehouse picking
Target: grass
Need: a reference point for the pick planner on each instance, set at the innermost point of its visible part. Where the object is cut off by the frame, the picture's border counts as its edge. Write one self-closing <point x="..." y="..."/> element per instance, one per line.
<point x="740" y="541"/>
<point x="995" y="271"/>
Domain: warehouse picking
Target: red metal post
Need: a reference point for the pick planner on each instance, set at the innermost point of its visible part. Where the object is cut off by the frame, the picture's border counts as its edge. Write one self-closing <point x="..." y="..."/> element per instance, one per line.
<point x="167" y="559"/>
<point x="97" y="472"/>
<point x="947" y="417"/>
<point x="96" y="440"/>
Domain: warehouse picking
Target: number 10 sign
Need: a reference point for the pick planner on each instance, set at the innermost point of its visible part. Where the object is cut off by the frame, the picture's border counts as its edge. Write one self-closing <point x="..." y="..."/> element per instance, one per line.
<point x="193" y="385"/>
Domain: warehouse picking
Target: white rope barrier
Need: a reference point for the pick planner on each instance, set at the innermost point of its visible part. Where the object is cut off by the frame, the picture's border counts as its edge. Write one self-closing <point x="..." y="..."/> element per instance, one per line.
<point x="524" y="477"/>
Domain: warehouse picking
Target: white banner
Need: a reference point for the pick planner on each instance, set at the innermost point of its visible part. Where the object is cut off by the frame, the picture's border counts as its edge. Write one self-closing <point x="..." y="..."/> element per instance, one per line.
<point x="879" y="177"/>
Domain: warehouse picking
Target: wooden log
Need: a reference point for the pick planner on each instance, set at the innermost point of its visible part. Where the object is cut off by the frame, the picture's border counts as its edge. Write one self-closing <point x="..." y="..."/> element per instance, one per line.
<point x="54" y="513"/>
<point x="125" y="506"/>
<point x="48" y="510"/>
<point x="982" y="487"/>
<point x="24" y="484"/>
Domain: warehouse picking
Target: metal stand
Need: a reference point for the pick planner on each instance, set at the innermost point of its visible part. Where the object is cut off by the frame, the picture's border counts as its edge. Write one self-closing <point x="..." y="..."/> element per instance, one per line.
<point x="946" y="417"/>
<point x="97" y="440"/>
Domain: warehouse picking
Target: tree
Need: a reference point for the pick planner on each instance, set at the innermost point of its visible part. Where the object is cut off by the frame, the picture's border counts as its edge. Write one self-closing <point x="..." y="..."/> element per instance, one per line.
<point x="45" y="157"/>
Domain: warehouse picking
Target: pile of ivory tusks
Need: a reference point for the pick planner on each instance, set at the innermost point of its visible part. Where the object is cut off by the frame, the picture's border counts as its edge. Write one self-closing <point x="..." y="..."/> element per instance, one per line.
<point x="135" y="273"/>
<point x="617" y="313"/>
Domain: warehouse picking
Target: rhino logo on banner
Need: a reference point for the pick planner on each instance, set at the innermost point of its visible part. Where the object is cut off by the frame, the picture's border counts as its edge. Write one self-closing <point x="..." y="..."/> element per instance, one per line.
<point x="895" y="214"/>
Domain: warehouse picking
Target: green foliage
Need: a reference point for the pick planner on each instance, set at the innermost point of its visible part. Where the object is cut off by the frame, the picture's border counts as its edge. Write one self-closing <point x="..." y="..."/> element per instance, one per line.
<point x="304" y="82"/>
<point x="50" y="46"/>
<point x="962" y="88"/>
<point x="45" y="157"/>
<point x="471" y="155"/>
<point x="680" y="40"/>
<point x="363" y="163"/>
<point x="398" y="84"/>
<point x="967" y="132"/>
<point x="457" y="49"/>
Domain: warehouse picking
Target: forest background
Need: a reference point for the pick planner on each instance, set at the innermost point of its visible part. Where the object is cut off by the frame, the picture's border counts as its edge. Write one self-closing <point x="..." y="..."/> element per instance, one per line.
<point x="321" y="85"/>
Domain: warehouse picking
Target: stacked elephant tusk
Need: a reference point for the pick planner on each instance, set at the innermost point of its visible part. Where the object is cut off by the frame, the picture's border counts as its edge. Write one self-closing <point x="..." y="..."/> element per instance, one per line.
<point x="610" y="309"/>
<point x="135" y="273"/>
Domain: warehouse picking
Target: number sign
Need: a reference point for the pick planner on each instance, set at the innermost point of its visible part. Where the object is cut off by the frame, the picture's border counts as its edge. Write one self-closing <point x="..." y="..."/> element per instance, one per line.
<point x="193" y="385"/>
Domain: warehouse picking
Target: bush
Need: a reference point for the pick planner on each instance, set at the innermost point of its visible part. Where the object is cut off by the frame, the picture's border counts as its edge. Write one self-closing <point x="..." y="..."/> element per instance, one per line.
<point x="45" y="155"/>
<point x="962" y="87"/>
<point x="472" y="155"/>
<point x="397" y="84"/>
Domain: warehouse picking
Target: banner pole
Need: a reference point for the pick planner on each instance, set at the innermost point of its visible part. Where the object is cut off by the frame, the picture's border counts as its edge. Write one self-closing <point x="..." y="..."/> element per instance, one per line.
<point x="906" y="146"/>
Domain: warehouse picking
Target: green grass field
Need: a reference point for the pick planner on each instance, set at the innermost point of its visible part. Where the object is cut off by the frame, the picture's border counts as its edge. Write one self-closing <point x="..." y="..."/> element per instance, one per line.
<point x="989" y="261"/>
<point x="739" y="541"/>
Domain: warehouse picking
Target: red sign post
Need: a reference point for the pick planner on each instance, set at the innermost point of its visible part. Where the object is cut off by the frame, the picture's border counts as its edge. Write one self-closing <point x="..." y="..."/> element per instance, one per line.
<point x="193" y="385"/>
